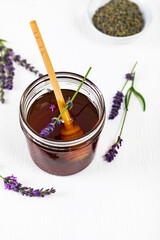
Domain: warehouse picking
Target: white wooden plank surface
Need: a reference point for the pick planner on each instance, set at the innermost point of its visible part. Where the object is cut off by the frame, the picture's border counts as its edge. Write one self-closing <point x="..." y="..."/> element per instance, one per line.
<point x="113" y="201"/>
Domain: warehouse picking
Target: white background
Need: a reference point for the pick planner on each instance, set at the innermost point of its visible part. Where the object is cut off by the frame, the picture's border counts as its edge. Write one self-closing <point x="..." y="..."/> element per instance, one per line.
<point x="115" y="201"/>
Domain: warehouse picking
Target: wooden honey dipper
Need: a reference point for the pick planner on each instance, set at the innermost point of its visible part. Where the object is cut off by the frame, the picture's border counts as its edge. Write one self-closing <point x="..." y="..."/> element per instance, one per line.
<point x="70" y="130"/>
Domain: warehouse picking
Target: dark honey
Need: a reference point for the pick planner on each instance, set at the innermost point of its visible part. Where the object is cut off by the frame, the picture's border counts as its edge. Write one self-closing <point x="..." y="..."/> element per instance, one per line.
<point x="42" y="111"/>
<point x="66" y="160"/>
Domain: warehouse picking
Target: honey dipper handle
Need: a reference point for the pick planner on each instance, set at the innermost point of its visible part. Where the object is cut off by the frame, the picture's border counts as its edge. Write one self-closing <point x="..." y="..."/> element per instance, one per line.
<point x="55" y="85"/>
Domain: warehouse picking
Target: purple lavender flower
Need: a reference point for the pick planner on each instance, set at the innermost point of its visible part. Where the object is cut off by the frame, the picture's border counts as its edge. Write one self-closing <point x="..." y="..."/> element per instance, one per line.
<point x="117" y="100"/>
<point x="7" y="69"/>
<point x="2" y="80"/>
<point x="9" y="52"/>
<point x="129" y="76"/>
<point x="11" y="183"/>
<point x="16" y="58"/>
<point x="50" y="127"/>
<point x="24" y="63"/>
<point x="69" y="103"/>
<point x="47" y="130"/>
<point x="9" y="82"/>
<point x="56" y="121"/>
<point x="52" y="107"/>
<point x="112" y="152"/>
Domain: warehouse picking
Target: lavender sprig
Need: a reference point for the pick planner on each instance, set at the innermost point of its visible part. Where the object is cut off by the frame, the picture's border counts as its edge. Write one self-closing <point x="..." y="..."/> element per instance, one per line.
<point x="50" y="127"/>
<point x="26" y="65"/>
<point x="69" y="103"/>
<point x="11" y="183"/>
<point x="118" y="98"/>
<point x="113" y="151"/>
<point x="130" y="76"/>
<point x="7" y="70"/>
<point x="56" y="121"/>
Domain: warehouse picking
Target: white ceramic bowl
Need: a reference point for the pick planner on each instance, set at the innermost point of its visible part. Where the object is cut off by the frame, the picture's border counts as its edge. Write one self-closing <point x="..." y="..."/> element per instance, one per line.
<point x="95" y="4"/>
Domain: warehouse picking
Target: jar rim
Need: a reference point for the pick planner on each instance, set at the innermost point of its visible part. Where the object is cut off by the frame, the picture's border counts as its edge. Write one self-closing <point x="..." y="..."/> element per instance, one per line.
<point x="31" y="133"/>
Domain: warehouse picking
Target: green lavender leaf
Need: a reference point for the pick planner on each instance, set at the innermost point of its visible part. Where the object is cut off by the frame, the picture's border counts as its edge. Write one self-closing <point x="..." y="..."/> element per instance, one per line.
<point x="2" y="40"/>
<point x="127" y="97"/>
<point x="140" y="97"/>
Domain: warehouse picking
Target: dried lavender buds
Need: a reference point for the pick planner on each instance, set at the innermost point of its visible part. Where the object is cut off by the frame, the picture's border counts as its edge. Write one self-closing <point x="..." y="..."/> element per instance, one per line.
<point x="119" y="18"/>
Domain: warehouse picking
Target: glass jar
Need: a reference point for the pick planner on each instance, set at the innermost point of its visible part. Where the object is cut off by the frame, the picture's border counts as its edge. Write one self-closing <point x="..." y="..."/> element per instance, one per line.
<point x="56" y="156"/>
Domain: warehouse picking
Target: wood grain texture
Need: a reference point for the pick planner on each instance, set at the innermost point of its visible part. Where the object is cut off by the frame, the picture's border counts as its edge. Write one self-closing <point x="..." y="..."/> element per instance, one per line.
<point x="105" y="201"/>
<point x="52" y="76"/>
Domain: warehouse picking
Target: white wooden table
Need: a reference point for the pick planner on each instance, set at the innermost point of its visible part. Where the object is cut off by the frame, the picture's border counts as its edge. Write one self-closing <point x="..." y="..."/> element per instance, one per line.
<point x="115" y="201"/>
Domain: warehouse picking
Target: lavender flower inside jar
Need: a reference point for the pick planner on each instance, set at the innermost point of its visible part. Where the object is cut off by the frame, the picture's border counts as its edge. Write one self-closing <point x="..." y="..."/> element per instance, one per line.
<point x="38" y="106"/>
